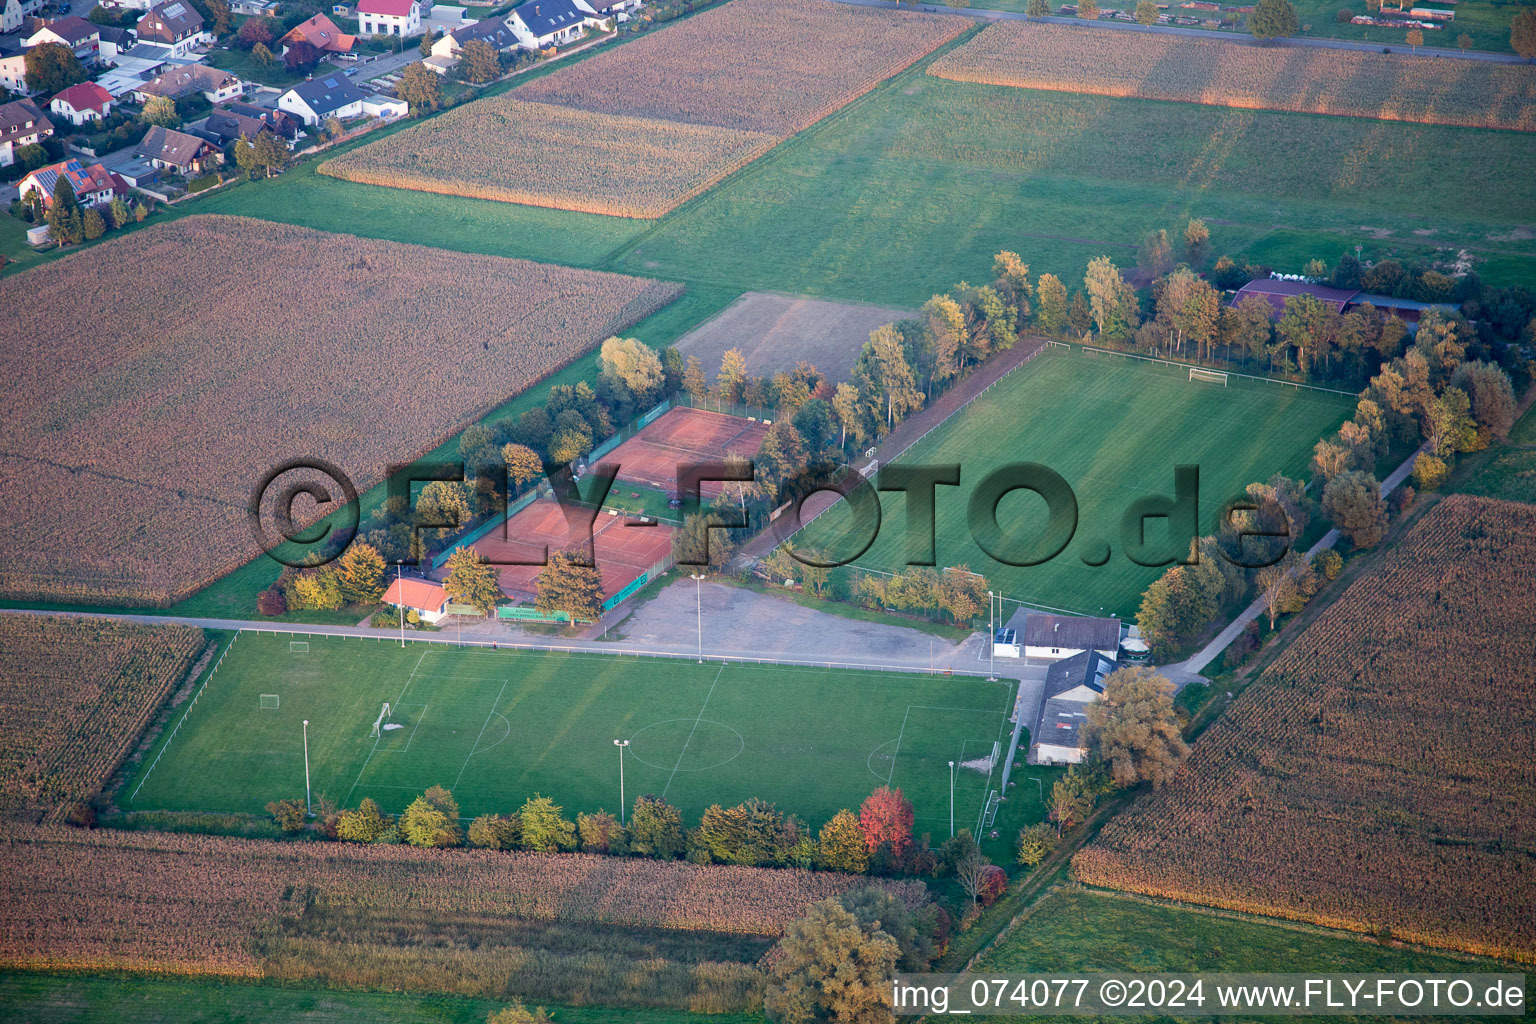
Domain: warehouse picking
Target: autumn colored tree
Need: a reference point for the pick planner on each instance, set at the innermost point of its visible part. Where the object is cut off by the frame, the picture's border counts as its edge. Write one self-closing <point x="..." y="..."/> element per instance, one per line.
<point x="874" y="907"/>
<point x="634" y="365"/>
<point x="545" y="828"/>
<point x="364" y="825"/>
<point x="1051" y="314"/>
<point x="1134" y="728"/>
<point x="566" y="584"/>
<point x="289" y="814"/>
<point x="1352" y="502"/>
<point x="52" y="67"/>
<point x="886" y="817"/>
<point x="1415" y="39"/>
<point x="1038" y="9"/>
<point x="599" y="832"/>
<point x="1493" y="404"/>
<point x="829" y="967"/>
<point x="1071" y="800"/>
<point x="1088" y="10"/>
<point x="1197" y="241"/>
<point x="733" y="375"/>
<point x="495" y="832"/>
<point x="1036" y="843"/>
<point x="523" y="463"/>
<point x="1146" y="12"/>
<point x="432" y="819"/>
<point x="478" y="62"/>
<point x="472" y="580"/>
<point x="656" y="829"/>
<point x="1522" y="33"/>
<point x="420" y="87"/>
<point x="519" y="1013"/>
<point x="253" y="31"/>
<point x="842" y="844"/>
<point x="360" y="573"/>
<point x="1273" y="19"/>
<point x="302" y="56"/>
<point x="694" y="381"/>
<point x="1111" y="300"/>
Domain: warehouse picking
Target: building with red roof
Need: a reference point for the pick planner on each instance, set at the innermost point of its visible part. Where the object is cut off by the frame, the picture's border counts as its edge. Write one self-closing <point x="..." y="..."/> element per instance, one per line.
<point x="321" y="33"/>
<point x="93" y="185"/>
<point x="80" y="103"/>
<point x="423" y="597"/>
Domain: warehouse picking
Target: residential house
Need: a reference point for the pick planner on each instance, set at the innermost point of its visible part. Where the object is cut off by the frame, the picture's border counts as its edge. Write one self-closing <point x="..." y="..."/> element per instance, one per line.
<point x="80" y="103"/>
<point x="216" y="84"/>
<point x="1070" y="686"/>
<point x="254" y="8"/>
<point x="428" y="600"/>
<point x="21" y="124"/>
<point x="316" y="101"/>
<point x="321" y="33"/>
<point x="176" y="25"/>
<point x="14" y="13"/>
<point x="284" y="124"/>
<point x="540" y="24"/>
<point x="169" y="149"/>
<point x="74" y="32"/>
<point x="618" y="10"/>
<point x="494" y="31"/>
<point x="227" y="126"/>
<point x="1054" y="637"/>
<point x="389" y="17"/>
<point x="116" y="41"/>
<point x="93" y="185"/>
<point x="13" y="74"/>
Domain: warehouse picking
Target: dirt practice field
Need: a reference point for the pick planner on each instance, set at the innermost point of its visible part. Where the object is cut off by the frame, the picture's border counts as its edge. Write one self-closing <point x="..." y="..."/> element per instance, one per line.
<point x="640" y="128"/>
<point x="74" y="696"/>
<point x="1378" y="774"/>
<point x="499" y="149"/>
<point x="774" y="332"/>
<point x="622" y="547"/>
<point x="1160" y="66"/>
<point x="684" y="436"/>
<point x="136" y="438"/>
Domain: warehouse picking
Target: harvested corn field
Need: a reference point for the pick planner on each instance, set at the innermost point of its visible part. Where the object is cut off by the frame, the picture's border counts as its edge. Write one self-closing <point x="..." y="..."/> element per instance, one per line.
<point x="500" y="149"/>
<point x="1161" y="66"/>
<point x="199" y="355"/>
<point x="75" y="695"/>
<point x="640" y="128"/>
<point x="1381" y="774"/>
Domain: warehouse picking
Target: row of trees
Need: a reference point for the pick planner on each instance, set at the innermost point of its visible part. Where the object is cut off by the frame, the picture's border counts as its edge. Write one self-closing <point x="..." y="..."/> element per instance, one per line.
<point x="877" y="839"/>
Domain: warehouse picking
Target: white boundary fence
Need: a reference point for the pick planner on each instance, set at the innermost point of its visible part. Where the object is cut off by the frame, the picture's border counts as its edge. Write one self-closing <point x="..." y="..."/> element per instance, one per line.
<point x="182" y="720"/>
<point x="1090" y="350"/>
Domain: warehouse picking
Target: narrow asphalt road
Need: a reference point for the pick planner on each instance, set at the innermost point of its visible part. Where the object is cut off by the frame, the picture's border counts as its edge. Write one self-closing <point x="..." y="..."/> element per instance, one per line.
<point x="982" y="14"/>
<point x="1207" y="654"/>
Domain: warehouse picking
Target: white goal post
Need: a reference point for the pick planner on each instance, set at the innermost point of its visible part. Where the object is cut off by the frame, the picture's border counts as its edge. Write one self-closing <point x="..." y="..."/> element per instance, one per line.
<point x="1209" y="376"/>
<point x="298" y="646"/>
<point x="378" y="723"/>
<point x="269" y="702"/>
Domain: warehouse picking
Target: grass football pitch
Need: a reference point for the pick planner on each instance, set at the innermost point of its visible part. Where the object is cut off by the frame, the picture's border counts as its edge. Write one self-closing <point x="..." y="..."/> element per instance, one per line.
<point x="1114" y="429"/>
<point x="496" y="727"/>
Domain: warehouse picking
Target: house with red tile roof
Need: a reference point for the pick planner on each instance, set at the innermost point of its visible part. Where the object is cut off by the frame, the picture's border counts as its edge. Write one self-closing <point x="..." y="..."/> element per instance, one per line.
<point x="80" y="103"/>
<point x="93" y="185"/>
<point x="426" y="599"/>
<point x="321" y="33"/>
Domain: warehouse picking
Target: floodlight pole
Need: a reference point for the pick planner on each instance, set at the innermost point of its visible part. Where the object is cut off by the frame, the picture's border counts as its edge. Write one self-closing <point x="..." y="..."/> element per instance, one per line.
<point x="698" y="595"/>
<point x="308" y="809"/>
<point x="991" y="641"/>
<point x="400" y="582"/>
<point x="621" y="744"/>
<point x="951" y="799"/>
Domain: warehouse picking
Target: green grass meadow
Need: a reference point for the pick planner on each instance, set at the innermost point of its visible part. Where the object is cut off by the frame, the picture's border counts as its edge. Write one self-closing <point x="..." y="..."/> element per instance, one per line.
<point x="1114" y="429"/>
<point x="496" y="727"/>
<point x="1086" y="930"/>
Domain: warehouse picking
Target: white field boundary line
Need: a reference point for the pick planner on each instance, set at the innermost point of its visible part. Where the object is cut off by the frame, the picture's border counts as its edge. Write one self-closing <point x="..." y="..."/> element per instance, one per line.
<point x="161" y="753"/>
<point x="608" y="650"/>
<point x="380" y="737"/>
<point x="897" y="752"/>
<point x="884" y="458"/>
<point x="492" y="714"/>
<point x="1092" y="350"/>
<point x="684" y="752"/>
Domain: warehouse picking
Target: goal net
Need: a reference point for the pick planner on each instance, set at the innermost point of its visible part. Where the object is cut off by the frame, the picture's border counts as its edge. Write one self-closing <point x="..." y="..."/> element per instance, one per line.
<point x="1209" y="376"/>
<point x="989" y="814"/>
<point x="269" y="702"/>
<point x="298" y="646"/>
<point x="378" y="723"/>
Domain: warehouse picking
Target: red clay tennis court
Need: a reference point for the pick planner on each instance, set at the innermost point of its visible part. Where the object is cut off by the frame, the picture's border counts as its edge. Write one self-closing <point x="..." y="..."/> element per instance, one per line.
<point x="681" y="436"/>
<point x="622" y="549"/>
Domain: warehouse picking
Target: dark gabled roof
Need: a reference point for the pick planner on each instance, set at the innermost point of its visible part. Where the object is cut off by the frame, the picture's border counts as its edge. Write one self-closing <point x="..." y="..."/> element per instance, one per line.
<point x="73" y="28"/>
<point x="1275" y="292"/>
<point x="1061" y="719"/>
<point x="1086" y="669"/>
<point x="1073" y="632"/>
<point x="178" y="16"/>
<point x="170" y="145"/>
<point x="491" y="30"/>
<point x="328" y="93"/>
<point x="113" y="34"/>
<point x="228" y="126"/>
<point x="546" y="16"/>
<point x="17" y="113"/>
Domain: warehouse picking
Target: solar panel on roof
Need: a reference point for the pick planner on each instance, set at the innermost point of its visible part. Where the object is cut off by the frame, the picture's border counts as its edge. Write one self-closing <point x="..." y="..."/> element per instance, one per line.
<point x="330" y="83"/>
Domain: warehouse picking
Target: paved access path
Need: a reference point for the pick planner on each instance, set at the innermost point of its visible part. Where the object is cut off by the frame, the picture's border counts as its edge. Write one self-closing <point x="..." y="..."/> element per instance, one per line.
<point x="1207" y="654"/>
<point x="982" y="14"/>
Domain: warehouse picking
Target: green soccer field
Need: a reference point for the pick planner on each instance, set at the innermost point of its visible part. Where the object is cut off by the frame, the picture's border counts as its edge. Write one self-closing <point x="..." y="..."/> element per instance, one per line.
<point x="496" y="727"/>
<point x="1114" y="429"/>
